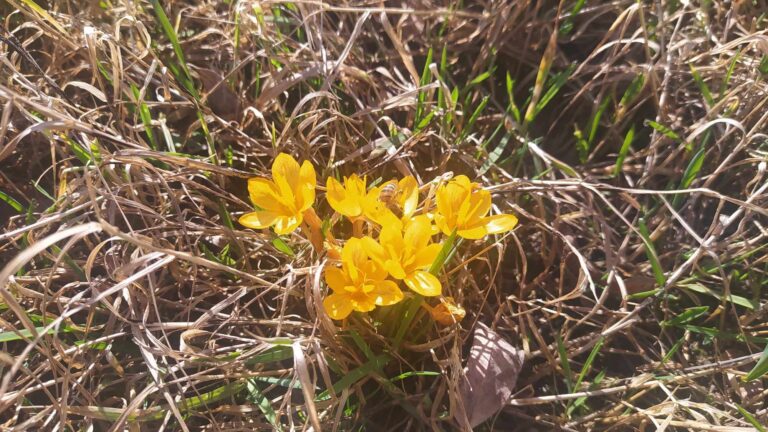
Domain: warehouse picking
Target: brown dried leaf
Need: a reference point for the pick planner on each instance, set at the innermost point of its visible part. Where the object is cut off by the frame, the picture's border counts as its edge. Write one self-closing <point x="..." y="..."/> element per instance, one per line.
<point x="489" y="378"/>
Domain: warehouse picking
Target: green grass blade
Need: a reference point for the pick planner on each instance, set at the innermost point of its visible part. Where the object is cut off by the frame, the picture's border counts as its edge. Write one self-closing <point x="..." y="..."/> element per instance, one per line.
<point x="750" y="418"/>
<point x="760" y="369"/>
<point x="564" y="363"/>
<point x="371" y="366"/>
<point x="625" y="146"/>
<point x="10" y="336"/>
<point x="703" y="87"/>
<point x="687" y="316"/>
<point x="11" y="202"/>
<point x="256" y="397"/>
<point x="170" y="33"/>
<point x="650" y="251"/>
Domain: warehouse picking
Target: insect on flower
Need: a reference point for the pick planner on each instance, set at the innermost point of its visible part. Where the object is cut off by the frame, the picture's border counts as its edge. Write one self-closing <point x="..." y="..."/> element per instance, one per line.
<point x="396" y="202"/>
<point x="388" y="196"/>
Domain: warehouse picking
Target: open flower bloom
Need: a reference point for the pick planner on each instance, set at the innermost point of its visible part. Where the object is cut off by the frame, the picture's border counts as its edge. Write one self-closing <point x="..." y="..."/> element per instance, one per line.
<point x="407" y="257"/>
<point x="404" y="198"/>
<point x="360" y="284"/>
<point x="349" y="199"/>
<point x="283" y="200"/>
<point x="462" y="207"/>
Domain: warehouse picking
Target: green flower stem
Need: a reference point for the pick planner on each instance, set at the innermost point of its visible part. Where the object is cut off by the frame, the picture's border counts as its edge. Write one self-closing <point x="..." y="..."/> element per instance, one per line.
<point x="415" y="303"/>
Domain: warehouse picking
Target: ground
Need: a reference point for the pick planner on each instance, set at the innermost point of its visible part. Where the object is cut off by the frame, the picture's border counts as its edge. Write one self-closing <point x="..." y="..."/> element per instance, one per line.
<point x="627" y="137"/>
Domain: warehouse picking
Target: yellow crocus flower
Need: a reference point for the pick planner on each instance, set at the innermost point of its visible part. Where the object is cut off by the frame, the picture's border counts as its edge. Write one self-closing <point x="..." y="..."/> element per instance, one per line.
<point x="407" y="256"/>
<point x="283" y="200"/>
<point x="360" y="284"/>
<point x="462" y="208"/>
<point x="349" y="199"/>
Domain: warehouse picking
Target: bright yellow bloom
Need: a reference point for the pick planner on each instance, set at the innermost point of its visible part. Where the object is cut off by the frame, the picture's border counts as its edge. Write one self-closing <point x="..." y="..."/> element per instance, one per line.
<point x="283" y="200"/>
<point x="349" y="199"/>
<point x="360" y="284"/>
<point x="407" y="257"/>
<point x="462" y="207"/>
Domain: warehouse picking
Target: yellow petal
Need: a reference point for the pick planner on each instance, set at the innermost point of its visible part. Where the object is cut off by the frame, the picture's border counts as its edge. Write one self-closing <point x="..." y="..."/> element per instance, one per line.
<point x="355" y="187"/>
<point x="374" y="250"/>
<point x="463" y="181"/>
<point x="473" y="232"/>
<point x="363" y="302"/>
<point x="427" y="255"/>
<point x="450" y="198"/>
<point x="418" y="232"/>
<point x="395" y="269"/>
<point x="386" y="293"/>
<point x="258" y="219"/>
<point x="354" y="253"/>
<point x="442" y="225"/>
<point x="350" y="208"/>
<point x="338" y="306"/>
<point x="383" y="216"/>
<point x="287" y="224"/>
<point x="409" y="195"/>
<point x="424" y="283"/>
<point x="500" y="223"/>
<point x="264" y="194"/>
<point x="308" y="180"/>
<point x="475" y="207"/>
<point x="391" y="238"/>
<point x="335" y="192"/>
<point x="335" y="278"/>
<point x="286" y="174"/>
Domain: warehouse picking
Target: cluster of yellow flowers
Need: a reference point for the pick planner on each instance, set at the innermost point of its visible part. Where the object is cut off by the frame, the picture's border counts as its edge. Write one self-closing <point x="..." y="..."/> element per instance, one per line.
<point x="404" y="250"/>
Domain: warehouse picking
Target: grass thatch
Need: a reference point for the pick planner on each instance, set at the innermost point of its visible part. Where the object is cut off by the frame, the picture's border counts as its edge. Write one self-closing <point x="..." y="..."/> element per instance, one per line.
<point x="627" y="136"/>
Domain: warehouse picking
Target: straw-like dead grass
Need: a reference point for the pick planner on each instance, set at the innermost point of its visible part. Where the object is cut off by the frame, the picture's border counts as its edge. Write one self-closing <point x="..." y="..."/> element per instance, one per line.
<point x="634" y="154"/>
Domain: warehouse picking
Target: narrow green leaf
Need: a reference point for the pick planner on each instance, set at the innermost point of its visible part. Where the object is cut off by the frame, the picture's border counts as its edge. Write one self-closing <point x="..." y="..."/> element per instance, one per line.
<point x="274" y="354"/>
<point x="556" y="83"/>
<point x="145" y="116"/>
<point x="409" y="374"/>
<point x="10" y="336"/>
<point x="750" y="418"/>
<point x="11" y="202"/>
<point x="595" y="123"/>
<point x="630" y="94"/>
<point x="564" y="363"/>
<point x="482" y="77"/>
<point x="282" y="246"/>
<point x="650" y="252"/>
<point x="693" y="168"/>
<point x="371" y="366"/>
<point x="675" y="348"/>
<point x="170" y="33"/>
<point x="625" y="146"/>
<point x="733" y="298"/>
<point x="256" y="397"/>
<point x="667" y="132"/>
<point x="760" y="369"/>
<point x="703" y="87"/>
<point x="687" y="316"/>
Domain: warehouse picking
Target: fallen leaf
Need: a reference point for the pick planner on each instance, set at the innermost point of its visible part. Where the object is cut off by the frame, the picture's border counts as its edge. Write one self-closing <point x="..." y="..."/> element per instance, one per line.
<point x="489" y="378"/>
<point x="447" y="312"/>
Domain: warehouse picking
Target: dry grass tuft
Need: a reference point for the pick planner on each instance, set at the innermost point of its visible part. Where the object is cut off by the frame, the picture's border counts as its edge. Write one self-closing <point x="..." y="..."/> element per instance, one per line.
<point x="627" y="136"/>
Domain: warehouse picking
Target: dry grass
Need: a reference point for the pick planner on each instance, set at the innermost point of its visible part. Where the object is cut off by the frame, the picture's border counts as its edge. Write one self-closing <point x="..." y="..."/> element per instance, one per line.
<point x="132" y="301"/>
